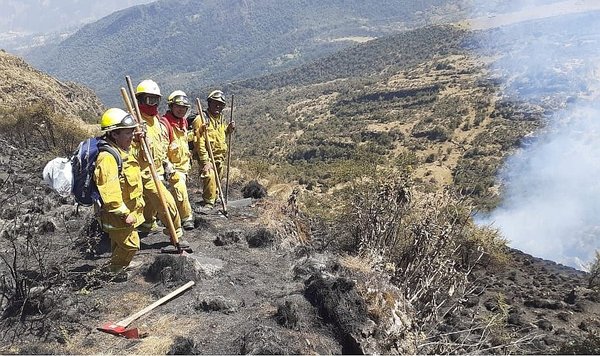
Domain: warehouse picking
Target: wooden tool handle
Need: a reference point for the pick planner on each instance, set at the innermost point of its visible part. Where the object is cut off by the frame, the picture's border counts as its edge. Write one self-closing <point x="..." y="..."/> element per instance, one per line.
<point x="212" y="157"/>
<point x="125" y="322"/>
<point x="135" y="111"/>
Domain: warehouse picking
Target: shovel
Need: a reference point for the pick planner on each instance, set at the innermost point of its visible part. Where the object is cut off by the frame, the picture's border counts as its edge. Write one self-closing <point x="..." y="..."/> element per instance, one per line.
<point x="120" y="328"/>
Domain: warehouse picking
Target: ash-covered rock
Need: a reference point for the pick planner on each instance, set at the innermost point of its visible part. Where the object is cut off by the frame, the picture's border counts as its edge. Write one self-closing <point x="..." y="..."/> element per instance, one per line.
<point x="185" y="267"/>
<point x="254" y="190"/>
<point x="260" y="237"/>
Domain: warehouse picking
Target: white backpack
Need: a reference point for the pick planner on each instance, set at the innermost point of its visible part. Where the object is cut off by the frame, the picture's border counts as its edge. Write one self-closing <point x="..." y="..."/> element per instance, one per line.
<point x="58" y="174"/>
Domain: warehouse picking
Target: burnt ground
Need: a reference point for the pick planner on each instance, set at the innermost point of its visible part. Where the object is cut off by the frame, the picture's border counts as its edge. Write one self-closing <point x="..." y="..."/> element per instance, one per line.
<point x="232" y="309"/>
<point x="544" y="305"/>
<point x="264" y="285"/>
<point x="252" y="271"/>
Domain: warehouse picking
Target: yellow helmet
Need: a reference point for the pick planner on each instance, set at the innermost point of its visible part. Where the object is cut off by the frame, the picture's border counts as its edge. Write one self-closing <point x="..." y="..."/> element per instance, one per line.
<point x="115" y="118"/>
<point x="216" y="95"/>
<point x="179" y="97"/>
<point x="147" y="87"/>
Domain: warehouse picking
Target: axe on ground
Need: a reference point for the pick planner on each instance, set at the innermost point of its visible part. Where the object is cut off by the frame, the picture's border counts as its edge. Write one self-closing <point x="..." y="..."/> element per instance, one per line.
<point x="120" y="328"/>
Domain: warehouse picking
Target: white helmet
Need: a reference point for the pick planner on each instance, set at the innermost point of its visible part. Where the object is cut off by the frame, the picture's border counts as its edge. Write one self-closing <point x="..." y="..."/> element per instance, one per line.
<point x="147" y="87"/>
<point x="178" y="97"/>
<point x="216" y="95"/>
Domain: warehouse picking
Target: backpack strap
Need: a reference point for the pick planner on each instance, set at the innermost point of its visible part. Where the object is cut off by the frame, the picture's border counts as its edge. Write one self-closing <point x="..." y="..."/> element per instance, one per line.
<point x="168" y="126"/>
<point x="104" y="146"/>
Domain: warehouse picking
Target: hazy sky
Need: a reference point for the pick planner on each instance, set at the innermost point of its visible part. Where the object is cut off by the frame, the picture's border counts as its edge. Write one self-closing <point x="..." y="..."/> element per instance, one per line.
<point x="41" y="16"/>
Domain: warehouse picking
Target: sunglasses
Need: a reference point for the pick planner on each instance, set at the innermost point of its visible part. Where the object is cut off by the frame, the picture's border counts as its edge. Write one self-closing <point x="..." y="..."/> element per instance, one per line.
<point x="217" y="103"/>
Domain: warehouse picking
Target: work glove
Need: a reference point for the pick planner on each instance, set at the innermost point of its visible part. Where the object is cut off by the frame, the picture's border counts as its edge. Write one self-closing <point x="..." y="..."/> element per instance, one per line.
<point x="169" y="169"/>
<point x="201" y="129"/>
<point x="140" y="133"/>
<point x="130" y="219"/>
<point x="177" y="177"/>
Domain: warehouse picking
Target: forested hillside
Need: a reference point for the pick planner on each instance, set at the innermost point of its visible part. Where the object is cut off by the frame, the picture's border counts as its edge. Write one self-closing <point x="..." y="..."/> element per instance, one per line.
<point x="425" y="101"/>
<point x="195" y="43"/>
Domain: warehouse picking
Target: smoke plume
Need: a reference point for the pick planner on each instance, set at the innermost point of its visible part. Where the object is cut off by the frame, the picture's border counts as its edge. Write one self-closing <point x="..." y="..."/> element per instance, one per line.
<point x="551" y="186"/>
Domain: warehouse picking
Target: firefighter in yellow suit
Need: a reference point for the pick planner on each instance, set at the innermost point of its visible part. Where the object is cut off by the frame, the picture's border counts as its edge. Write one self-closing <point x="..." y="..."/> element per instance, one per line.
<point x="179" y="154"/>
<point x="121" y="192"/>
<point x="148" y="96"/>
<point x="217" y="130"/>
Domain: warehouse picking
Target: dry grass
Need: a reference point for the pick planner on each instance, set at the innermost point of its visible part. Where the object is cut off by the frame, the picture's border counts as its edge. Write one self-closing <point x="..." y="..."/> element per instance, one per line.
<point x="163" y="331"/>
<point x="161" y="335"/>
<point x="136" y="300"/>
<point x="489" y="241"/>
<point x="357" y="263"/>
<point x="235" y="175"/>
<point x="272" y="214"/>
<point x="280" y="191"/>
<point x="23" y="86"/>
<point x="280" y="217"/>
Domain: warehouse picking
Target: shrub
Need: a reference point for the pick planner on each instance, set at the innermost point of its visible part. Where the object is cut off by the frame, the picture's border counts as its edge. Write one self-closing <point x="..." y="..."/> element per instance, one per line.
<point x="484" y="244"/>
<point x="594" y="278"/>
<point x="34" y="272"/>
<point x="431" y="242"/>
<point x="37" y="125"/>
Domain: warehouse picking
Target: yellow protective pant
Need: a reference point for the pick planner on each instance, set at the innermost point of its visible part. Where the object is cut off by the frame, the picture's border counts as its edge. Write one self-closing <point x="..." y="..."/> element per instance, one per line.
<point x="154" y="207"/>
<point x="124" y="243"/>
<point x="178" y="188"/>
<point x="209" y="183"/>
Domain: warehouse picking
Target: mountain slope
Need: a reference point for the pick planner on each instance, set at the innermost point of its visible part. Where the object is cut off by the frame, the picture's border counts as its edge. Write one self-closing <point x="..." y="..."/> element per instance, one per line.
<point x="436" y="100"/>
<point x="416" y="101"/>
<point x="268" y="279"/>
<point x="196" y="43"/>
<point x="22" y="86"/>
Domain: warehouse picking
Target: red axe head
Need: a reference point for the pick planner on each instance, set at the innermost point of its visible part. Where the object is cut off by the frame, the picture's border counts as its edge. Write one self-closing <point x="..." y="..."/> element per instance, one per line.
<point x="120" y="331"/>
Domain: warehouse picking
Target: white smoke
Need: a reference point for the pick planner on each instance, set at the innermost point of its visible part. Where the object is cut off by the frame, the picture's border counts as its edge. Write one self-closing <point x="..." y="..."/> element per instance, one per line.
<point x="551" y="206"/>
<point x="551" y="188"/>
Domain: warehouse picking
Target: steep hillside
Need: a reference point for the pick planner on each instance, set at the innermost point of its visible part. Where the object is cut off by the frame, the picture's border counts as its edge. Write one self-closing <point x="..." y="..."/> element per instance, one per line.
<point x="268" y="281"/>
<point x="195" y="43"/>
<point x="421" y="102"/>
<point x="23" y="86"/>
<point x="38" y="110"/>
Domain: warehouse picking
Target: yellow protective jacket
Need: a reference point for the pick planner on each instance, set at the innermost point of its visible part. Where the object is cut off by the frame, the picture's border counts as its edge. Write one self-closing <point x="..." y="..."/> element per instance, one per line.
<point x="157" y="137"/>
<point x="121" y="193"/>
<point x="216" y="129"/>
<point x="178" y="151"/>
